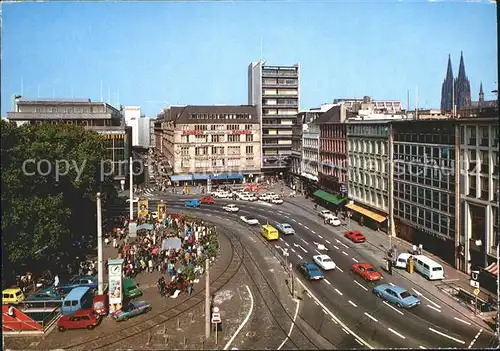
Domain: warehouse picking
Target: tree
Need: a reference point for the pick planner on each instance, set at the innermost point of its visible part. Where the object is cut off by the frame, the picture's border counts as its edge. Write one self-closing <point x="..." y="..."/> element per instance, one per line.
<point x="45" y="209"/>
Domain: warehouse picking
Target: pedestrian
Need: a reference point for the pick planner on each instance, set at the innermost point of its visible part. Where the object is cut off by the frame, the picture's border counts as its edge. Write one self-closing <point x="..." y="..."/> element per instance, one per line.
<point x="115" y="243"/>
<point x="190" y="287"/>
<point x="56" y="281"/>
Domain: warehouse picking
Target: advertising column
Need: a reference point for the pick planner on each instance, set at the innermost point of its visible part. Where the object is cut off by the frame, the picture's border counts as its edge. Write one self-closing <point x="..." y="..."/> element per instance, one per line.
<point x="115" y="290"/>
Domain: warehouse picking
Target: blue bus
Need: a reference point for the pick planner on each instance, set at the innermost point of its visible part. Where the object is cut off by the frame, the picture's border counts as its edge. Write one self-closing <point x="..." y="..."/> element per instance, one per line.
<point x="77" y="299"/>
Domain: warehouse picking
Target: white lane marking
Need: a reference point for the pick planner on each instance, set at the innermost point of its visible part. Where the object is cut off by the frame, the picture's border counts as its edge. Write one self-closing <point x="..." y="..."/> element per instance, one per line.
<point x="244" y="321"/>
<point x="395" y="332"/>
<point x="287" y="244"/>
<point x="306" y="227"/>
<point x="371" y="317"/>
<point x="316" y="303"/>
<point x="337" y="240"/>
<point x="359" y="342"/>
<point x="394" y="308"/>
<point x="297" y="245"/>
<point x="461" y="320"/>
<point x="334" y="321"/>
<point x="326" y="281"/>
<point x="312" y="231"/>
<point x="293" y="250"/>
<point x="447" y="336"/>
<point x="303" y="240"/>
<point x="434" y="308"/>
<point x="340" y="269"/>
<point x="336" y="247"/>
<point x="345" y="253"/>
<point x="421" y="295"/>
<point x="475" y="338"/>
<point x="360" y="285"/>
<point x="320" y="236"/>
<point x="328" y="242"/>
<point x="325" y="312"/>
<point x="291" y="326"/>
<point x="355" y="260"/>
<point x="300" y="223"/>
<point x="332" y="315"/>
<point x="294" y="220"/>
<point x="421" y="347"/>
<point x="338" y="292"/>
<point x="352" y="303"/>
<point x="319" y="253"/>
<point x="281" y="239"/>
<point x="287" y="216"/>
<point x="344" y="245"/>
<point x="300" y="257"/>
<point x="345" y="330"/>
<point x="391" y="284"/>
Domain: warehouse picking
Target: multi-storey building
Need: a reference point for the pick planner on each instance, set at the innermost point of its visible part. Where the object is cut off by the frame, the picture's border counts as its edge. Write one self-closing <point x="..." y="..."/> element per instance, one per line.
<point x="377" y="106"/>
<point x="369" y="182"/>
<point x="204" y="143"/>
<point x="425" y="192"/>
<point x="100" y="117"/>
<point x="275" y="92"/>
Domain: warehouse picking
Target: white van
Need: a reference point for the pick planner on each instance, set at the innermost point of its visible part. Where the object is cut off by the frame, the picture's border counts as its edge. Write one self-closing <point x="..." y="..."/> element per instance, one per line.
<point x="402" y="260"/>
<point x="428" y="268"/>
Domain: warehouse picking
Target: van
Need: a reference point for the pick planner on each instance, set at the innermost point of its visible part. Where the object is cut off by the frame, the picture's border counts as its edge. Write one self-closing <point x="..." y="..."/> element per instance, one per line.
<point x="428" y="267"/>
<point x="12" y="296"/>
<point x="130" y="289"/>
<point x="402" y="260"/>
<point x="77" y="299"/>
<point x="269" y="232"/>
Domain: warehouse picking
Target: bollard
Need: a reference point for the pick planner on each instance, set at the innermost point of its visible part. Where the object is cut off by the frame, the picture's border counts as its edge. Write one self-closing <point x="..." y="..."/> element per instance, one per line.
<point x="178" y="322"/>
<point x="185" y="341"/>
<point x="164" y="328"/>
<point x="167" y="338"/>
<point x="203" y="343"/>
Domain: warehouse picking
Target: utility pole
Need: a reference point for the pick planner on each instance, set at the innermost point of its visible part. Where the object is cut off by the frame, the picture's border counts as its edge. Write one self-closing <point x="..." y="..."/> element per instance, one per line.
<point x="100" y="268"/>
<point x="207" y="298"/>
<point x="498" y="286"/>
<point x="131" y="191"/>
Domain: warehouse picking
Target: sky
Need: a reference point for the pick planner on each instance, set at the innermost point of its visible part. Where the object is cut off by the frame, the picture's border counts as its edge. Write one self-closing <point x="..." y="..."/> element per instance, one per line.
<point x="153" y="54"/>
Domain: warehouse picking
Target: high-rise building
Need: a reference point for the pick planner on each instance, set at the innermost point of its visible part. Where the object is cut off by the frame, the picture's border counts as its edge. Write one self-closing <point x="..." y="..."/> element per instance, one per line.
<point x="447" y="90"/>
<point x="275" y="92"/>
<point x="462" y="87"/>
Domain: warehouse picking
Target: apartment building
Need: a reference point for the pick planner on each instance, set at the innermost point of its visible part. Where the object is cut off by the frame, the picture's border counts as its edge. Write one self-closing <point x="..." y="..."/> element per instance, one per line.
<point x="275" y="92"/>
<point x="210" y="142"/>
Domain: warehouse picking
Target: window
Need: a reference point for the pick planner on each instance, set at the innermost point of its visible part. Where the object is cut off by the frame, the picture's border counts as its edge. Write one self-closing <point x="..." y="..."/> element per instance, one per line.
<point x="249" y="137"/>
<point x="233" y="138"/>
<point x="232" y="127"/>
<point x="485" y="159"/>
<point x="248" y="127"/>
<point x="217" y="138"/>
<point x="201" y="151"/>
<point x="233" y="150"/>
<point x="484" y="188"/>
<point x="185" y="150"/>
<point x="483" y="135"/>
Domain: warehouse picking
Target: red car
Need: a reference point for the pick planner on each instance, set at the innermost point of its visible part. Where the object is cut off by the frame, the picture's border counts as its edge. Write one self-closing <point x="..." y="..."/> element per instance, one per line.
<point x="355" y="236"/>
<point x="366" y="271"/>
<point x="79" y="320"/>
<point x="207" y="200"/>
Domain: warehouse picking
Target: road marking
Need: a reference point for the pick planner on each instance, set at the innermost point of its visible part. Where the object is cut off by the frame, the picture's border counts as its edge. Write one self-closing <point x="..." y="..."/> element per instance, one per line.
<point x="461" y="320"/>
<point x="475" y="338"/>
<point x="334" y="321"/>
<point x="319" y="253"/>
<point x="291" y="326"/>
<point x="294" y="220"/>
<point x="345" y="253"/>
<point x="361" y="285"/>
<point x="340" y="269"/>
<point x="328" y="242"/>
<point x="344" y="245"/>
<point x="337" y="240"/>
<point x="300" y="223"/>
<point x="336" y="247"/>
<point x="394" y="308"/>
<point x="300" y="257"/>
<point x="352" y="303"/>
<point x="316" y="303"/>
<point x="312" y="231"/>
<point x="303" y="240"/>
<point x="391" y="284"/>
<point x="326" y="281"/>
<point x="447" y="336"/>
<point x="244" y="321"/>
<point x="325" y="312"/>
<point x="332" y="315"/>
<point x="359" y="342"/>
<point x="345" y="330"/>
<point x="338" y="292"/>
<point x="420" y="294"/>
<point x="395" y="332"/>
<point x="281" y="239"/>
<point x="319" y="236"/>
<point x="421" y="347"/>
<point x="287" y="216"/>
<point x="306" y="227"/>
<point x="355" y="260"/>
<point x="293" y="250"/>
<point x="371" y="317"/>
<point x="434" y="308"/>
<point x="287" y="244"/>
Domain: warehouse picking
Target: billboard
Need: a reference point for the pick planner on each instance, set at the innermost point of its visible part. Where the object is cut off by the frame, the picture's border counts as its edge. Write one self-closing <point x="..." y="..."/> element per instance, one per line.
<point x="142" y="208"/>
<point x="115" y="281"/>
<point x="162" y="211"/>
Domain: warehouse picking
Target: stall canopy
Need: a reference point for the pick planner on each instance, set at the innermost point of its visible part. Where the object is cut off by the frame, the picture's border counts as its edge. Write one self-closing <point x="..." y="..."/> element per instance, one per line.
<point x="367" y="213"/>
<point x="171" y="243"/>
<point x="200" y="176"/>
<point x="145" y="226"/>
<point x="334" y="199"/>
<point x="235" y="176"/>
<point x="218" y="176"/>
<point x="178" y="178"/>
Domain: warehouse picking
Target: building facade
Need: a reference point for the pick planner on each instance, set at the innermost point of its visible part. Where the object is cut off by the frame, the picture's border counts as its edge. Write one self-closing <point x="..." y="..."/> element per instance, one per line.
<point x="275" y="92"/>
<point x="210" y="142"/>
<point x="140" y="131"/>
<point x="97" y="116"/>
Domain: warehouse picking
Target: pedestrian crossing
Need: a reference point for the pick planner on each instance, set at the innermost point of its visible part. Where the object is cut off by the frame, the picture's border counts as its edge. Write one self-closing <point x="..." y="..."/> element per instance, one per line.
<point x="148" y="193"/>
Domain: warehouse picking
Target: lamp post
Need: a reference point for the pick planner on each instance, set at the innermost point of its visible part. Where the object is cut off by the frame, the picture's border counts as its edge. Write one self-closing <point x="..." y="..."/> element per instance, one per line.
<point x="100" y="272"/>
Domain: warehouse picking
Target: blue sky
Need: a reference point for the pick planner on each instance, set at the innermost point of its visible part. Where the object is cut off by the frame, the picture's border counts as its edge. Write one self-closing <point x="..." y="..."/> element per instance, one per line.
<point x="156" y="53"/>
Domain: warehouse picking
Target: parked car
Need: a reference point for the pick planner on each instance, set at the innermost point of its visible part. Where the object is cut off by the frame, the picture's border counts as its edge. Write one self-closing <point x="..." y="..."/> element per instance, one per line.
<point x="100" y="304"/>
<point x="230" y="208"/>
<point x="249" y="220"/>
<point x="325" y="214"/>
<point x="366" y="271"/>
<point x="325" y="262"/>
<point x="277" y="200"/>
<point x="396" y="295"/>
<point x="335" y="221"/>
<point x="131" y="310"/>
<point x="310" y="271"/>
<point x="252" y="197"/>
<point x="192" y="203"/>
<point x="76" y="282"/>
<point x="207" y="200"/>
<point x="264" y="197"/>
<point x="12" y="296"/>
<point x="355" y="236"/>
<point x="45" y="295"/>
<point x="285" y="228"/>
<point x="81" y="319"/>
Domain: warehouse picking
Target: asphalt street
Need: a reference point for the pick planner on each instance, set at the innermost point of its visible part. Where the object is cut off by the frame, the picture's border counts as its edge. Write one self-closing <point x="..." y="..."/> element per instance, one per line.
<point x="347" y="296"/>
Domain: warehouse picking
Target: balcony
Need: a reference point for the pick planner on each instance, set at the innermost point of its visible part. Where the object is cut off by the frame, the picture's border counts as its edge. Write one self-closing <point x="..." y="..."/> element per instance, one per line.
<point x="279" y="85"/>
<point x="280" y="73"/>
<point x="274" y="136"/>
<point x="276" y="126"/>
<point x="294" y="116"/>
<point x="276" y="146"/>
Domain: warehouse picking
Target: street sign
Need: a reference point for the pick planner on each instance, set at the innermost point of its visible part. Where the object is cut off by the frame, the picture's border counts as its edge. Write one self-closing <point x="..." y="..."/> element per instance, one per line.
<point x="476" y="291"/>
<point x="474" y="283"/>
<point x="216" y="318"/>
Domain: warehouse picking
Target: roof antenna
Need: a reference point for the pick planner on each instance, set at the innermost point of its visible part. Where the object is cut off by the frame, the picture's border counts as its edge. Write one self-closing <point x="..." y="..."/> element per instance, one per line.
<point x="261" y="49"/>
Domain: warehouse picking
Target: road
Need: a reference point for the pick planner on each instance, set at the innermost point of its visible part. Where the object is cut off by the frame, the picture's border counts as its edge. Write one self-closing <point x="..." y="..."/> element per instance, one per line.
<point x="373" y="321"/>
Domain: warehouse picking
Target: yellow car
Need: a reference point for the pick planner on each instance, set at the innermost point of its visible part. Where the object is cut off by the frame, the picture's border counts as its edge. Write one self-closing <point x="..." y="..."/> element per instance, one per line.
<point x="12" y="296"/>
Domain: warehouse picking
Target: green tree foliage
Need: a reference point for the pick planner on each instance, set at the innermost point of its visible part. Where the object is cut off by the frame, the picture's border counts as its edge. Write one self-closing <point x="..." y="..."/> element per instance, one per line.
<point x="42" y="216"/>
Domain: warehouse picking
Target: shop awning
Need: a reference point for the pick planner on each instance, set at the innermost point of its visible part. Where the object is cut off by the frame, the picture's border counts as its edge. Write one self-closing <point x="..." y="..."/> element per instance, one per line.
<point x="367" y="213"/>
<point x="200" y="176"/>
<point x="334" y="199"/>
<point x="492" y="269"/>
<point x="218" y="176"/>
<point x="177" y="178"/>
<point x="235" y="176"/>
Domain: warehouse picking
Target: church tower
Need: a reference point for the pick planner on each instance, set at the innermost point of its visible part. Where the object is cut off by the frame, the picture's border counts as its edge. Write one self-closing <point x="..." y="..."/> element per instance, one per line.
<point x="462" y="87"/>
<point x="447" y="90"/>
<point x="481" y="96"/>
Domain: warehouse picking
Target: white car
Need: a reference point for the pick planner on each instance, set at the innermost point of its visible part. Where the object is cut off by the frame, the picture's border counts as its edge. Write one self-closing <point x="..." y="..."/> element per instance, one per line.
<point x="335" y="221"/>
<point x="325" y="262"/>
<point x="222" y="194"/>
<point x="134" y="200"/>
<point x="276" y="200"/>
<point x="325" y="214"/>
<point x="249" y="220"/>
<point x="230" y="208"/>
<point x="264" y="197"/>
<point x="252" y="197"/>
<point x="243" y="195"/>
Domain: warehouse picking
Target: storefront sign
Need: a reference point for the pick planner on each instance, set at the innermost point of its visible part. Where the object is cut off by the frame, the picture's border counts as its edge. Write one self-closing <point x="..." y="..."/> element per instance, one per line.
<point x="192" y="132"/>
<point x="142" y="208"/>
<point x="115" y="281"/>
<point x="241" y="132"/>
<point x="162" y="211"/>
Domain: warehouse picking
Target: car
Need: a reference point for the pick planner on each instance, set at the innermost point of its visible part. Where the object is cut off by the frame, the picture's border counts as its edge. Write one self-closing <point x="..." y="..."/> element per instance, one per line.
<point x="45" y="295"/>
<point x="244" y="197"/>
<point x="249" y="220"/>
<point x="310" y="271"/>
<point x="252" y="197"/>
<point x="12" y="296"/>
<point x="131" y="310"/>
<point x="335" y="221"/>
<point x="355" y="236"/>
<point x="396" y="295"/>
<point x="366" y="271"/>
<point x="192" y="203"/>
<point x="325" y="262"/>
<point x="134" y="200"/>
<point x="285" y="228"/>
<point x="264" y="197"/>
<point x="230" y="208"/>
<point x="207" y="200"/>
<point x="221" y="194"/>
<point x="325" y="214"/>
<point x="81" y="319"/>
<point x="277" y="200"/>
<point x="76" y="282"/>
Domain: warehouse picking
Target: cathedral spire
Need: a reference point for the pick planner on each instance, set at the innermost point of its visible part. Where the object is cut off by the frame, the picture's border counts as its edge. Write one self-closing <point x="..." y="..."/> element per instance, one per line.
<point x="461" y="67"/>
<point x="481" y="95"/>
<point x="449" y="70"/>
<point x="447" y="89"/>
